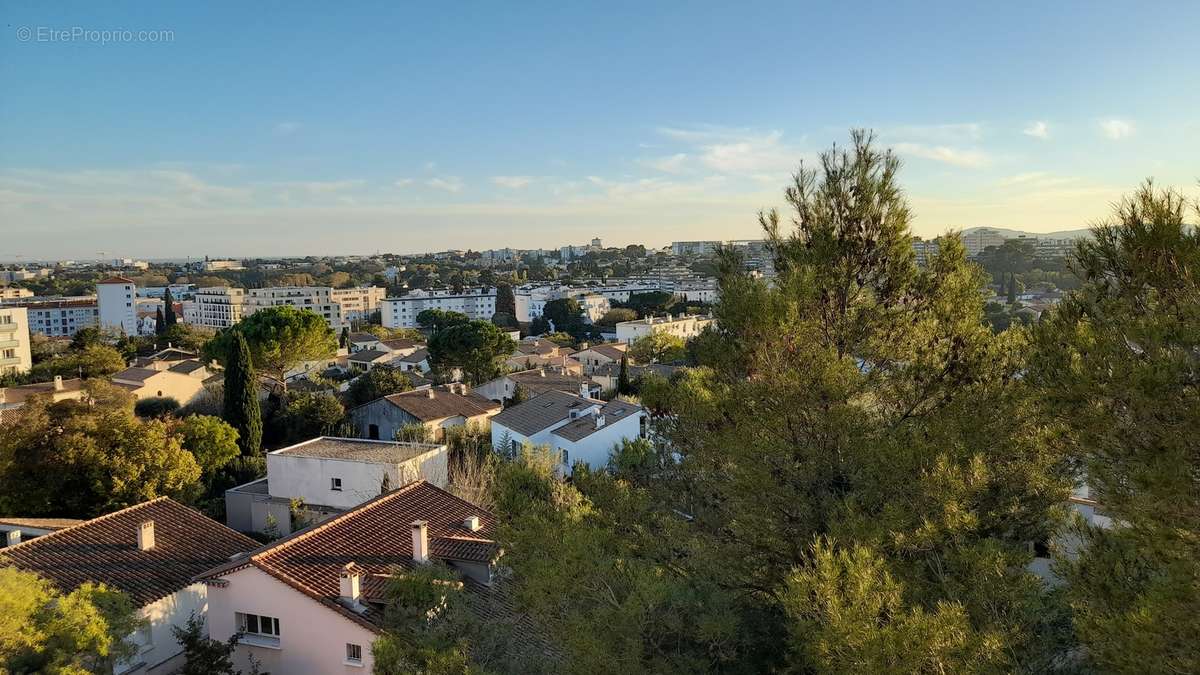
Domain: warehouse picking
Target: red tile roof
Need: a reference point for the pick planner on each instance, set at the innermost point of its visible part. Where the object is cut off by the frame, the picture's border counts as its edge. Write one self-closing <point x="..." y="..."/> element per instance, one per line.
<point x="376" y="537"/>
<point x="104" y="550"/>
<point x="115" y="280"/>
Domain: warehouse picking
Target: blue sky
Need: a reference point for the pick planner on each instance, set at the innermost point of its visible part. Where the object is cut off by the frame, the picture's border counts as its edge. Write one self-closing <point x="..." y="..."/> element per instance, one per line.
<point x="289" y="128"/>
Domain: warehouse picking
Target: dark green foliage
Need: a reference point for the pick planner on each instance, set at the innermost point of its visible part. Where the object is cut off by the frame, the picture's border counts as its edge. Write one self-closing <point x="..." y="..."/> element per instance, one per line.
<point x="160" y="324"/>
<point x="155" y="406"/>
<point x="624" y="386"/>
<point x="565" y="314"/>
<point x="506" y="302"/>
<point x="307" y="415"/>
<point x="242" y="410"/>
<point x="205" y="656"/>
<point x="279" y="339"/>
<point x="169" y="318"/>
<point x="477" y="347"/>
<point x="437" y="320"/>
<point x="376" y="383"/>
<point x="1012" y="288"/>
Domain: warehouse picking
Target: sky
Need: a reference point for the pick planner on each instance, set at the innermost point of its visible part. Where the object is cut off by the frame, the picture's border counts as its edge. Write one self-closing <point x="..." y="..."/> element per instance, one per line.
<point x="170" y="129"/>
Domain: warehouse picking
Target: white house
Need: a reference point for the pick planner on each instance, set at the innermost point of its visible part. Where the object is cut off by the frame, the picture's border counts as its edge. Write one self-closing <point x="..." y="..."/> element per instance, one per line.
<point x="313" y="480"/>
<point x="151" y="552"/>
<point x="402" y="312"/>
<point x="579" y="429"/>
<point x="684" y="326"/>
<point x="115" y="298"/>
<point x="595" y="356"/>
<point x="311" y="603"/>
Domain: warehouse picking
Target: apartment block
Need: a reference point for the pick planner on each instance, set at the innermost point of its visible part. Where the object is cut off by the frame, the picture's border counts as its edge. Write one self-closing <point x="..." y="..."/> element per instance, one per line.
<point x="59" y="317"/>
<point x="215" y="307"/>
<point x="14" y="293"/>
<point x="317" y="299"/>
<point x="358" y="303"/>
<point x="116" y="300"/>
<point x="14" y="341"/>
<point x="684" y="326"/>
<point x="402" y="312"/>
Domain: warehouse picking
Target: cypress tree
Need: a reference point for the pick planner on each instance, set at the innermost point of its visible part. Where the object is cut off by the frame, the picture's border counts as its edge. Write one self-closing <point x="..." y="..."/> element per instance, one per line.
<point x="169" y="318"/>
<point x="241" y="397"/>
<point x="160" y="324"/>
<point x="1012" y="288"/>
<point x="623" y="385"/>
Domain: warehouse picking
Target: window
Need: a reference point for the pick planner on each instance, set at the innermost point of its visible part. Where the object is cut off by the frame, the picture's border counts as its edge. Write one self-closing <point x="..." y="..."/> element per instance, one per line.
<point x="335" y="484"/>
<point x="566" y="456"/>
<point x="373" y="432"/>
<point x="258" y="630"/>
<point x="353" y="654"/>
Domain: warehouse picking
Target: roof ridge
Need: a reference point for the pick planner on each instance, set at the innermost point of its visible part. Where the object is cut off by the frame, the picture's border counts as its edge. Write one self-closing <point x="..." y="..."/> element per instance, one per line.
<point x="89" y="521"/>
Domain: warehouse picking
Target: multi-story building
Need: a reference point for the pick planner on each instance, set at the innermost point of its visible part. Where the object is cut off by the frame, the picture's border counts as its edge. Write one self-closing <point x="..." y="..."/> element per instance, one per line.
<point x="358" y="303"/>
<point x="215" y="307"/>
<point x="925" y="250"/>
<point x="317" y="299"/>
<point x="978" y="239"/>
<point x="14" y="341"/>
<point x="401" y="312"/>
<point x="14" y="293"/>
<point x="684" y="326"/>
<point x="223" y="265"/>
<point x="695" y="247"/>
<point x="178" y="291"/>
<point x="702" y="290"/>
<point x="115" y="298"/>
<point x="59" y="317"/>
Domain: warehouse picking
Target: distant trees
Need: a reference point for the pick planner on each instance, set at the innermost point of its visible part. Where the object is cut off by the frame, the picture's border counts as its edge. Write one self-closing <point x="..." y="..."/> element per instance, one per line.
<point x="42" y="630"/>
<point x="376" y="383"/>
<point x="658" y="347"/>
<point x="438" y="319"/>
<point x="242" y="410"/>
<point x="506" y="301"/>
<point x="616" y="315"/>
<point x="477" y="347"/>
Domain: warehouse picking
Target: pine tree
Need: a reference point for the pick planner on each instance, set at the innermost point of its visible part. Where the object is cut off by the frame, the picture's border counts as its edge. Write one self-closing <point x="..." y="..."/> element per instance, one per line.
<point x="1012" y="288"/>
<point x="344" y="338"/>
<point x="242" y="410"/>
<point x="169" y="318"/>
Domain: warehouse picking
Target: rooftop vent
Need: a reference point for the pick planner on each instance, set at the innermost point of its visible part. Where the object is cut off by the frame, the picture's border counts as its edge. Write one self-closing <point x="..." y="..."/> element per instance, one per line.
<point x="472" y="523"/>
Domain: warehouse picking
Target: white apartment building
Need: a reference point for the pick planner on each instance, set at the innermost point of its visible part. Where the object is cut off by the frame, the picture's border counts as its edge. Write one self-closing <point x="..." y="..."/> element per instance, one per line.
<point x="684" y="326"/>
<point x="223" y="265"/>
<point x="115" y="298"/>
<point x="402" y="312"/>
<point x="704" y="290"/>
<point x="215" y="307"/>
<point x="59" y="317"/>
<point x="358" y="303"/>
<point x="14" y="293"/>
<point x="318" y="299"/>
<point x="14" y="341"/>
<point x="695" y="247"/>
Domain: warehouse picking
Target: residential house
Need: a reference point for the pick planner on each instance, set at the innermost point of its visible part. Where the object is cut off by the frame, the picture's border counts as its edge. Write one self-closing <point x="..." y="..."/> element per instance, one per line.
<point x="183" y="381"/>
<point x="416" y="361"/>
<point x="537" y="381"/>
<point x="360" y="342"/>
<point x="312" y="604"/>
<point x="685" y="326"/>
<point x="594" y="356"/>
<point x="13" y="399"/>
<point x="13" y="531"/>
<point x="578" y="428"/>
<point x="436" y="408"/>
<point x="311" y="481"/>
<point x="608" y="376"/>
<point x="365" y="360"/>
<point x="151" y="552"/>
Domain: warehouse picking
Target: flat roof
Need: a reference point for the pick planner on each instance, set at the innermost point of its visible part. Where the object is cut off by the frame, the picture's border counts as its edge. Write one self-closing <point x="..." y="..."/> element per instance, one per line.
<point x="358" y="449"/>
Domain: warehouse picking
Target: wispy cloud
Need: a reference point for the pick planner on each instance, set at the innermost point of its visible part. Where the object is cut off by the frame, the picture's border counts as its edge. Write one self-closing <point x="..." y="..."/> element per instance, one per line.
<point x="403" y="182"/>
<point x="512" y="182"/>
<point x="1037" y="129"/>
<point x="447" y="183"/>
<point x="1117" y="129"/>
<point x="286" y="128"/>
<point x="731" y="150"/>
<point x="936" y="134"/>
<point x="1036" y="179"/>
<point x="670" y="164"/>
<point x="962" y="157"/>
<point x="323" y="187"/>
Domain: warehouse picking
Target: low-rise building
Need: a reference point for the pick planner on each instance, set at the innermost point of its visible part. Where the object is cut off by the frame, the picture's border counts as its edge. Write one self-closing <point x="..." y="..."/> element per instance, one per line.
<point x="150" y="552"/>
<point x="592" y="357"/>
<point x="402" y="312"/>
<point x="14" y="293"/>
<point x="183" y="382"/>
<point x="15" y="357"/>
<point x="223" y="265"/>
<point x="577" y="428"/>
<point x="311" y="481"/>
<point x="535" y="381"/>
<point x="685" y="326"/>
<point x="15" y="530"/>
<point x="359" y="303"/>
<point x="313" y="603"/>
<point x="435" y="408"/>
<point x="14" y="398"/>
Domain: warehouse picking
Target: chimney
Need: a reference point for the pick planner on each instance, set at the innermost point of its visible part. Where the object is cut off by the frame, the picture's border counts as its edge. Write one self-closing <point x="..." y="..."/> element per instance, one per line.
<point x="541" y="372"/>
<point x="472" y="523"/>
<point x="58" y="385"/>
<point x="14" y="537"/>
<point x="599" y="420"/>
<point x="145" y="536"/>
<point x="350" y="583"/>
<point x="429" y="392"/>
<point x="420" y="538"/>
<point x="584" y="390"/>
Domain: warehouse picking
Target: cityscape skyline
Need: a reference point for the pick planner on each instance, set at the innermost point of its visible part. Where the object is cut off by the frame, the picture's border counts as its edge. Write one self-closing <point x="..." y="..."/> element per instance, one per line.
<point x="421" y="132"/>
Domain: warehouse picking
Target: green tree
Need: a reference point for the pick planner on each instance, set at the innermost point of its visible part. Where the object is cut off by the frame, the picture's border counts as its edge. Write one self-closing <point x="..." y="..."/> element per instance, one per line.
<point x="204" y="655"/>
<point x="478" y="348"/>
<point x="308" y="414"/>
<point x="1116" y="364"/>
<point x="616" y="315"/>
<point x="169" y="318"/>
<point x="155" y="406"/>
<point x="1012" y="288"/>
<point x="280" y="338"/>
<point x="506" y="301"/>
<point x="242" y="409"/>
<point x="426" y="625"/>
<point x="44" y="631"/>
<point x="624" y="386"/>
<point x="658" y="347"/>
<point x="91" y="361"/>
<point x="160" y="324"/>
<point x="212" y="442"/>
<point x="86" y="458"/>
<point x="376" y="383"/>
<point x="438" y="320"/>
<point x="565" y="314"/>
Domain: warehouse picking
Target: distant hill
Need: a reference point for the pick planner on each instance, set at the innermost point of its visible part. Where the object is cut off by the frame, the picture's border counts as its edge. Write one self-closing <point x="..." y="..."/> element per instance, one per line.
<point x="1013" y="234"/>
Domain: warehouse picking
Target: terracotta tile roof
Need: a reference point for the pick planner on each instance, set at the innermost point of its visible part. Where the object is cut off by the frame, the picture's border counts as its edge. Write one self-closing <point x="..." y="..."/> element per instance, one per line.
<point x="370" y="356"/>
<point x="104" y="550"/>
<point x="539" y="381"/>
<point x="377" y="537"/>
<point x="41" y="523"/>
<point x="363" y="337"/>
<point x="20" y="393"/>
<point x="401" y="343"/>
<point x="612" y="351"/>
<point x="115" y="280"/>
<point x="442" y="404"/>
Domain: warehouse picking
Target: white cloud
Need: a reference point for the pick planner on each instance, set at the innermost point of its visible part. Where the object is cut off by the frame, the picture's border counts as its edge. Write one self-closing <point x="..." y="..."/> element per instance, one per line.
<point x="1037" y="129"/>
<point x="733" y="150"/>
<point x="286" y="128"/>
<point x="1036" y="179"/>
<point x="403" y="182"/>
<point x="512" y="182"/>
<point x="1116" y="129"/>
<point x="937" y="134"/>
<point x="447" y="183"/>
<point x="670" y="164"/>
<point x="323" y="187"/>
<point x="966" y="158"/>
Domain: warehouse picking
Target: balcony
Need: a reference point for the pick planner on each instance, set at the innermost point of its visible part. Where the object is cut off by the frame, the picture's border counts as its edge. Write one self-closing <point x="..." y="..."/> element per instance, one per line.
<point x="9" y="343"/>
<point x="8" y="327"/>
<point x="9" y="361"/>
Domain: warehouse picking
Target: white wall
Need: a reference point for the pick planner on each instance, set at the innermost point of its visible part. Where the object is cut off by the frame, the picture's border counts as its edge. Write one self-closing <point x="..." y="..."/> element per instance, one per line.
<point x="312" y="637"/>
<point x="14" y="328"/>
<point x="159" y="654"/>
<point x="310" y="478"/>
<point x="116" y="304"/>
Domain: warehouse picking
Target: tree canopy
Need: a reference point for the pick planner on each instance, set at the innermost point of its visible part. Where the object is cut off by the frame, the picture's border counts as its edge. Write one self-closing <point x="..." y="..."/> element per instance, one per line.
<point x="279" y="338"/>
<point x="477" y="347"/>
